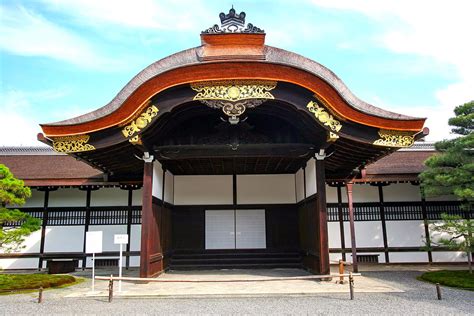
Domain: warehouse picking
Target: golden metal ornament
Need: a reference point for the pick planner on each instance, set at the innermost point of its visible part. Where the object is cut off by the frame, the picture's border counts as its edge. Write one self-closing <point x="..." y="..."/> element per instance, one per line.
<point x="332" y="137"/>
<point x="234" y="90"/>
<point x="324" y="117"/>
<point x="389" y="138"/>
<point x="72" y="144"/>
<point x="140" y="122"/>
<point x="136" y="140"/>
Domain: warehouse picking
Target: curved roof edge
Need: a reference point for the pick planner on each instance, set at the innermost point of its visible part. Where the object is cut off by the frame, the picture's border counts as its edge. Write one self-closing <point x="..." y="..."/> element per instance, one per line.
<point x="273" y="56"/>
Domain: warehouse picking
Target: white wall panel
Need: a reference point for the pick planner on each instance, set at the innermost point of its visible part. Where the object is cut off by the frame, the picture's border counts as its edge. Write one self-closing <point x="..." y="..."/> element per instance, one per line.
<point x="36" y="199"/>
<point x="408" y="257"/>
<point x="451" y="256"/>
<point x="137" y="197"/>
<point x="199" y="190"/>
<point x="331" y="194"/>
<point x="169" y="187"/>
<point x="31" y="243"/>
<point x="368" y="234"/>
<point x="364" y="193"/>
<point x="334" y="235"/>
<point x="20" y="263"/>
<point x="405" y="233"/>
<point x="299" y="185"/>
<point x="67" y="197"/>
<point x="250" y="229"/>
<point x="334" y="258"/>
<point x="135" y="240"/>
<point x="64" y="239"/>
<point x="108" y="232"/>
<point x="399" y="192"/>
<point x="264" y="189"/>
<point x="135" y="261"/>
<point x="219" y="229"/>
<point x="109" y="197"/>
<point x="157" y="190"/>
<point x="310" y="171"/>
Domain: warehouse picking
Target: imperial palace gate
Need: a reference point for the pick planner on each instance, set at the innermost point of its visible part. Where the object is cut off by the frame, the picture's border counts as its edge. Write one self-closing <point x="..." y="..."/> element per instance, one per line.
<point x="233" y="142"/>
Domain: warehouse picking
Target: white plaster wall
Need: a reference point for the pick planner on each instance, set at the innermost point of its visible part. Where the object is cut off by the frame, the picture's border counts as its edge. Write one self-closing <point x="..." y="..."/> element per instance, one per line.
<point x="331" y="194"/>
<point x="334" y="235"/>
<point x="310" y="171"/>
<point x="399" y="192"/>
<point x="368" y="234"/>
<point x="364" y="193"/>
<point x="299" y="185"/>
<point x="169" y="187"/>
<point x="135" y="239"/>
<point x="135" y="261"/>
<point x="451" y="256"/>
<point x="109" y="197"/>
<point x="405" y="233"/>
<point x="36" y="199"/>
<point x="67" y="197"/>
<point x="408" y="257"/>
<point x="268" y="188"/>
<point x="157" y="189"/>
<point x="334" y="258"/>
<point x="198" y="190"/>
<point x="64" y="239"/>
<point x="137" y="197"/>
<point x="108" y="232"/>
<point x="20" y="263"/>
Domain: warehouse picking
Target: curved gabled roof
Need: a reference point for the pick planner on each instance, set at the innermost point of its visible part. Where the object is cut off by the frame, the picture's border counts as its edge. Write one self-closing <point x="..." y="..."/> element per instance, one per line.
<point x="273" y="58"/>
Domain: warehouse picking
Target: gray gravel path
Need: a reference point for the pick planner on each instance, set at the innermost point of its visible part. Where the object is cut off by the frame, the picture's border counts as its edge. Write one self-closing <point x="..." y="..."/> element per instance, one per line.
<point x="418" y="298"/>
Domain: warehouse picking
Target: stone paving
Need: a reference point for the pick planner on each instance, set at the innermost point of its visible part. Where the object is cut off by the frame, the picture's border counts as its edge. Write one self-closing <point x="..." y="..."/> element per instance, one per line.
<point x="241" y="283"/>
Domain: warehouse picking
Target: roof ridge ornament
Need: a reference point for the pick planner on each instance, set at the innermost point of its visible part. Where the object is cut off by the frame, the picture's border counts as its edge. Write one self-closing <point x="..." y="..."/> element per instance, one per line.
<point x="233" y="23"/>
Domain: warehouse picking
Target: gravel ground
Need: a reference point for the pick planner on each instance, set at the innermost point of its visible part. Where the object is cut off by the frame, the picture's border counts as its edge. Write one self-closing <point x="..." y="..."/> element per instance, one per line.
<point x="418" y="298"/>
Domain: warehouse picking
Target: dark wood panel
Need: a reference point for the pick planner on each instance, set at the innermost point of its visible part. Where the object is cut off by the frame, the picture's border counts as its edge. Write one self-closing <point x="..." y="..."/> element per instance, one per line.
<point x="188" y="228"/>
<point x="282" y="227"/>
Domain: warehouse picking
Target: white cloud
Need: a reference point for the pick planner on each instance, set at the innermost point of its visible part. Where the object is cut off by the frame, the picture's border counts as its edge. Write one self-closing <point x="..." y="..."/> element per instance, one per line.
<point x="439" y="30"/>
<point x="27" y="33"/>
<point x="20" y="116"/>
<point x="146" y="14"/>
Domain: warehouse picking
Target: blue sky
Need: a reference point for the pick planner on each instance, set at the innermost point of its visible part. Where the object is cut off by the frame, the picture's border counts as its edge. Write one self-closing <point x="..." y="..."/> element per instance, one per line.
<point x="62" y="58"/>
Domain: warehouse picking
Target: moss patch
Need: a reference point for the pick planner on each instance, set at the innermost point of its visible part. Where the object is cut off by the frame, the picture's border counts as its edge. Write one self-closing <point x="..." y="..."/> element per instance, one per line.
<point x="14" y="283"/>
<point x="457" y="278"/>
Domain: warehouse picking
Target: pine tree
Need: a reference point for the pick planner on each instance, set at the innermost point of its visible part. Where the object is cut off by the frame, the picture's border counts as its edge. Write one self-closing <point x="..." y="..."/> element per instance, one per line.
<point x="452" y="173"/>
<point x="13" y="192"/>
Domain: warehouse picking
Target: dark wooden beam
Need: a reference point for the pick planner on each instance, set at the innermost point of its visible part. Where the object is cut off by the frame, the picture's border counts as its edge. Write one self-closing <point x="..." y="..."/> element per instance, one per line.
<point x="384" y="224"/>
<point x="43" y="227"/>
<point x="341" y="220"/>
<point x="324" y="267"/>
<point x="350" y="203"/>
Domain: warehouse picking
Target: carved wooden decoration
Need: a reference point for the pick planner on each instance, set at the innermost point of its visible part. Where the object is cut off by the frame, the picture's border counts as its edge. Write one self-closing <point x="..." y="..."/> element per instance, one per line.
<point x="140" y="122"/>
<point x="72" y="144"/>
<point x="390" y="138"/>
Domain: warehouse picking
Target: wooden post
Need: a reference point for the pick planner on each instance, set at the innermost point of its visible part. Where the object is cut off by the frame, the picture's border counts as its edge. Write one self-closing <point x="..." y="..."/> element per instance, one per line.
<point x="147" y="219"/>
<point x="426" y="224"/>
<point x="86" y="226"/>
<point x="438" y="291"/>
<point x="384" y="225"/>
<point x="341" y="222"/>
<point x="129" y="226"/>
<point x="111" y="288"/>
<point x="351" y="285"/>
<point x="40" y="295"/>
<point x="355" y="267"/>
<point x="43" y="227"/>
<point x="341" y="272"/>
<point x="324" y="267"/>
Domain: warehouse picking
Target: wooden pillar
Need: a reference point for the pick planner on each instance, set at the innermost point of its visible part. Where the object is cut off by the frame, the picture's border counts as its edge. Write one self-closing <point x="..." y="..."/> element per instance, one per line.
<point x="43" y="226"/>
<point x="352" y="226"/>
<point x="86" y="226"/>
<point x="426" y="224"/>
<point x="341" y="222"/>
<point x="129" y="226"/>
<point x="324" y="267"/>
<point x="151" y="257"/>
<point x="384" y="224"/>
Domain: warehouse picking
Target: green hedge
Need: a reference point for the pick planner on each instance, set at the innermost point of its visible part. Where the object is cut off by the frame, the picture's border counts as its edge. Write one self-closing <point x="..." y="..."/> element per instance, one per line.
<point x="14" y="282"/>
<point x="454" y="278"/>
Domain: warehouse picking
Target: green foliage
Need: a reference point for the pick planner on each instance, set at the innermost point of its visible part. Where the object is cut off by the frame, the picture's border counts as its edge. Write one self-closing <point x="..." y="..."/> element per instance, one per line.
<point x="452" y="171"/>
<point x="13" y="192"/>
<point x="459" y="279"/>
<point x="15" y="282"/>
